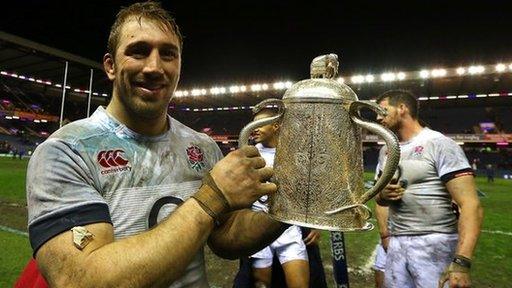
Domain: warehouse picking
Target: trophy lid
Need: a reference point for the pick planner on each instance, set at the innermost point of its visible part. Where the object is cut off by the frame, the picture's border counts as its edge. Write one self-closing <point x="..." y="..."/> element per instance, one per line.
<point x="322" y="84"/>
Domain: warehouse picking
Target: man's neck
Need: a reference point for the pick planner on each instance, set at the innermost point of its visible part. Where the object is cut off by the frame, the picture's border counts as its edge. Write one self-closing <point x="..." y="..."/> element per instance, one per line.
<point x="270" y="144"/>
<point x="409" y="129"/>
<point x="143" y="126"/>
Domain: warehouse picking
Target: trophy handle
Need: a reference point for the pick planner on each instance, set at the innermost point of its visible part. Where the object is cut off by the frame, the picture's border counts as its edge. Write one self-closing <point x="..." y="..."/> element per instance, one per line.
<point x="391" y="142"/>
<point x="368" y="226"/>
<point x="243" y="139"/>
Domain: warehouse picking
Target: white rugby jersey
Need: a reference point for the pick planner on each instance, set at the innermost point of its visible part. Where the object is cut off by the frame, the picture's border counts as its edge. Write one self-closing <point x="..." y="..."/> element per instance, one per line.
<point x="427" y="162"/>
<point x="97" y="170"/>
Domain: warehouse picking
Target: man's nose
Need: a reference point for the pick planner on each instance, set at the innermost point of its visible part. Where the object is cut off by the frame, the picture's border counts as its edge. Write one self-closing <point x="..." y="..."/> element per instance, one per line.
<point x="380" y="118"/>
<point x="153" y="63"/>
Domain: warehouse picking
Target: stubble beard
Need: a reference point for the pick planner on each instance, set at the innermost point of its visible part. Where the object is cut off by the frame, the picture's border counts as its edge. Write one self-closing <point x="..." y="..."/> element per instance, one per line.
<point x="138" y="108"/>
<point x="395" y="128"/>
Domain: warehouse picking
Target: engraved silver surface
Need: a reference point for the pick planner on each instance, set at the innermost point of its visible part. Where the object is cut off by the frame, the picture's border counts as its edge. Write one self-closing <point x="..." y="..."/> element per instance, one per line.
<point x="314" y="169"/>
<point x="318" y="166"/>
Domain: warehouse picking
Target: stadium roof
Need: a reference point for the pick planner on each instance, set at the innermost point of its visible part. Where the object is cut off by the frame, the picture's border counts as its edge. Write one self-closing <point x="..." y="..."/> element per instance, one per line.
<point x="29" y="59"/>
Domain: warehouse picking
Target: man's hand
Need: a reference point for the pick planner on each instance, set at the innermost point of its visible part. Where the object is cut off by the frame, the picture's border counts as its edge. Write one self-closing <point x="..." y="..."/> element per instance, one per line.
<point x="242" y="176"/>
<point x="457" y="277"/>
<point x="392" y="192"/>
<point x="313" y="237"/>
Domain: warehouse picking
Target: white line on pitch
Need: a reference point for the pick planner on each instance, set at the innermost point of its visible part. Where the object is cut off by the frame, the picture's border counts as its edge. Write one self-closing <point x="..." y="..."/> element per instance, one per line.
<point x="497" y="232"/>
<point x="14" y="231"/>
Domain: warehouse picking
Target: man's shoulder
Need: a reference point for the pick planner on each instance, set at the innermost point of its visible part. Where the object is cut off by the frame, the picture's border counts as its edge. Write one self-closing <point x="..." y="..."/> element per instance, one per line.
<point x="78" y="130"/>
<point x="429" y="133"/>
<point x="433" y="137"/>
<point x="185" y="132"/>
<point x="68" y="137"/>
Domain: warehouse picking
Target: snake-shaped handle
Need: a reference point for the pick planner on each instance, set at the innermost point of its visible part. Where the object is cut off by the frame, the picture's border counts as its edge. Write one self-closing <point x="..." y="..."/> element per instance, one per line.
<point x="389" y="137"/>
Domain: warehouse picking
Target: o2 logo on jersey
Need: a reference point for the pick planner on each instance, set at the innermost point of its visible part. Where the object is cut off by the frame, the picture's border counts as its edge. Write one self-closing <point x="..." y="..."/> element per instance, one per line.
<point x="158" y="205"/>
<point x="113" y="161"/>
<point x="195" y="158"/>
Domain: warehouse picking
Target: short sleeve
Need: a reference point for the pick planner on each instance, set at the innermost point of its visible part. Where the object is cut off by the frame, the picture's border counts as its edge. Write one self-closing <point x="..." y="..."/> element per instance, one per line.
<point x="60" y="193"/>
<point x="450" y="160"/>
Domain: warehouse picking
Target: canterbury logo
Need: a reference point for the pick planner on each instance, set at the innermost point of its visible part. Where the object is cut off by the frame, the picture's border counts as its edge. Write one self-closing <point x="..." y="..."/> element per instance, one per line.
<point x="112" y="158"/>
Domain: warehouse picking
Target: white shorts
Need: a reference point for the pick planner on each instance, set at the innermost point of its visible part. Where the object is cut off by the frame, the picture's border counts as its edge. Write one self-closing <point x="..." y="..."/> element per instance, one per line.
<point x="289" y="246"/>
<point x="418" y="261"/>
<point x="380" y="258"/>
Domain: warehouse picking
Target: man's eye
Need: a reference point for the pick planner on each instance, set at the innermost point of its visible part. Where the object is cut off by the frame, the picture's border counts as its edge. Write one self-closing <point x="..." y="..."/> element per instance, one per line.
<point x="138" y="55"/>
<point x="168" y="55"/>
<point x="141" y="52"/>
<point x="138" y="52"/>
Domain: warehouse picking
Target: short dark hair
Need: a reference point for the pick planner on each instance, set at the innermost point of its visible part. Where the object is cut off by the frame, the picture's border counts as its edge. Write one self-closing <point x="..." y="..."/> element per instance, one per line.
<point x="150" y="10"/>
<point x="398" y="96"/>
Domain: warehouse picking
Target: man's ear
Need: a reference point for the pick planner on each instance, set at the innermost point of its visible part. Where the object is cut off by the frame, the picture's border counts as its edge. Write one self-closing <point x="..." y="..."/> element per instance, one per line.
<point x="403" y="108"/>
<point x="108" y="65"/>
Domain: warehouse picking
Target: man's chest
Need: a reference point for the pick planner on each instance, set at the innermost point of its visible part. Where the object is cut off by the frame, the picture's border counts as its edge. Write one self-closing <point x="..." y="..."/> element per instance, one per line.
<point x="121" y="166"/>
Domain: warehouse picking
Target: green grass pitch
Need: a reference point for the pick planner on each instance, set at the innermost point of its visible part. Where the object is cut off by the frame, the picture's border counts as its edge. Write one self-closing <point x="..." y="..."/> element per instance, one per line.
<point x="492" y="264"/>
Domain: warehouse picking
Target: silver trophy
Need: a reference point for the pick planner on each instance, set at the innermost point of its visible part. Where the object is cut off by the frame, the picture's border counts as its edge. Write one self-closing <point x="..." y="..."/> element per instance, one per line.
<point x="318" y="166"/>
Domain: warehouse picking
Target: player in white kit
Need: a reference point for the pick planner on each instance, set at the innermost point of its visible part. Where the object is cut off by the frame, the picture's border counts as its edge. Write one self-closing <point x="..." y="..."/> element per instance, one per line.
<point x="289" y="248"/>
<point x="427" y="246"/>
<point x="130" y="196"/>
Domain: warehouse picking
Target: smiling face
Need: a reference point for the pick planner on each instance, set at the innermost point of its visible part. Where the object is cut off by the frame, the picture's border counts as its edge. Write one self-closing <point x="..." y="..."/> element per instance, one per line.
<point x="145" y="69"/>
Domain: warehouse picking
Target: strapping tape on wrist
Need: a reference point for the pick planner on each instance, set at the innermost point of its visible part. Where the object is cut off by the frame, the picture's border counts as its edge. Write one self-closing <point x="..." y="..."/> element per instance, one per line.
<point x="211" y="199"/>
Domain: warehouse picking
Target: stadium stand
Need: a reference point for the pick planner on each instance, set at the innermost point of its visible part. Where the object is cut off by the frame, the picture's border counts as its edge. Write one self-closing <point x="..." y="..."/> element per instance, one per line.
<point x="473" y="107"/>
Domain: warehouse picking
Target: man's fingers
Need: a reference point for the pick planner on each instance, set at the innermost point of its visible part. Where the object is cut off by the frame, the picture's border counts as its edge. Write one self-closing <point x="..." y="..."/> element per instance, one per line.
<point x="395" y="197"/>
<point x="443" y="279"/>
<point x="395" y="190"/>
<point x="459" y="280"/>
<point x="267" y="188"/>
<point x="258" y="162"/>
<point x="266" y="173"/>
<point x="311" y="238"/>
<point x="393" y="186"/>
<point x="250" y="151"/>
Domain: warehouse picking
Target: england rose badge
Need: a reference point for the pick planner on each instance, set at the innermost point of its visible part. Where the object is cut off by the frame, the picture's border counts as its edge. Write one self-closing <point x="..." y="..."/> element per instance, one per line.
<point x="195" y="157"/>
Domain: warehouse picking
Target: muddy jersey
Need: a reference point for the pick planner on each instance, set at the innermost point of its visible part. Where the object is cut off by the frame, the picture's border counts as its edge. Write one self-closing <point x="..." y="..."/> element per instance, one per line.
<point x="427" y="162"/>
<point x="97" y="170"/>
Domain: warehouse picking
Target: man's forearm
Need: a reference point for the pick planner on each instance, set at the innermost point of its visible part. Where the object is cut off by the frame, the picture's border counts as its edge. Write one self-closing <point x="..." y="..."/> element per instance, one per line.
<point x="470" y="221"/>
<point x="244" y="233"/>
<point x="170" y="248"/>
<point x="155" y="258"/>
<point x="381" y="213"/>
